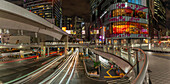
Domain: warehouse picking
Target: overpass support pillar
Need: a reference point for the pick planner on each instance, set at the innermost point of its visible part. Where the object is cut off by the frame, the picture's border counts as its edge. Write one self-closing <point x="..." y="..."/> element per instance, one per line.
<point x="149" y="43"/>
<point x="43" y="49"/>
<point x="106" y="41"/>
<point x="120" y="47"/>
<point x="86" y="51"/>
<point x="97" y="58"/>
<point x="66" y="46"/>
<point x="18" y="32"/>
<point x="104" y="48"/>
<point x="22" y="32"/>
<point x="113" y="49"/>
<point x="141" y="41"/>
<point x="128" y="43"/>
<point x="48" y="51"/>
<point x="81" y="50"/>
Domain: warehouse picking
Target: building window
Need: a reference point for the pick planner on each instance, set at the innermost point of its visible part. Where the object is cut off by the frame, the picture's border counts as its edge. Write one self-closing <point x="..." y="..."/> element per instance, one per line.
<point x="129" y="12"/>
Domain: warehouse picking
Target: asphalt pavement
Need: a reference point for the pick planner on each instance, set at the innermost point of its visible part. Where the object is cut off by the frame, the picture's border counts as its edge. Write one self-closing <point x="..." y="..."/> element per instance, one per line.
<point x="159" y="67"/>
<point x="10" y="71"/>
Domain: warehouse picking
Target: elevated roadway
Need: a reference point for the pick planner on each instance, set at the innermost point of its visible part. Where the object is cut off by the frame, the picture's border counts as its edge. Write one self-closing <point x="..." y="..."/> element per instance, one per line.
<point x="17" y="18"/>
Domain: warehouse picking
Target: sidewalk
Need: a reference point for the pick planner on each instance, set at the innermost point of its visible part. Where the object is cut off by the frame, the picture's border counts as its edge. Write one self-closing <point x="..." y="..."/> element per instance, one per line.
<point x="157" y="49"/>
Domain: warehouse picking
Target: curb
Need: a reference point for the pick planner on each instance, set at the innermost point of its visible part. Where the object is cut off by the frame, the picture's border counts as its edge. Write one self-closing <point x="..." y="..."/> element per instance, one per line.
<point x="156" y="51"/>
<point x="90" y="75"/>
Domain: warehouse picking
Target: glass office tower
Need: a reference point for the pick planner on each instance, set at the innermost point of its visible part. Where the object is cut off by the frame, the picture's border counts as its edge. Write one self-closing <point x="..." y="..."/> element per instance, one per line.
<point x="47" y="9"/>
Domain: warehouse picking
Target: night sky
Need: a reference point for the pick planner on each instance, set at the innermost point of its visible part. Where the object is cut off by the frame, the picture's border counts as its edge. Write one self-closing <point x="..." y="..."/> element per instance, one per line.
<point x="77" y="8"/>
<point x="82" y="8"/>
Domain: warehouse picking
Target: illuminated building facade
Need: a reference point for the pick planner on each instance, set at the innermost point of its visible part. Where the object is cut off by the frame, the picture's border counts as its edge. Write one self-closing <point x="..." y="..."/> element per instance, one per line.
<point x="125" y="19"/>
<point x="47" y="9"/>
<point x="121" y="19"/>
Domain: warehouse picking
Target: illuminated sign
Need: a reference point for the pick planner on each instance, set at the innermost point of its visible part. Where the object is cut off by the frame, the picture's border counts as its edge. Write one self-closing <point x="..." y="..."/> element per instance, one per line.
<point x="91" y="32"/>
<point x="64" y="29"/>
<point x="83" y="32"/>
<point x="130" y="35"/>
<point x="94" y="32"/>
<point x="74" y="32"/>
<point x="70" y="31"/>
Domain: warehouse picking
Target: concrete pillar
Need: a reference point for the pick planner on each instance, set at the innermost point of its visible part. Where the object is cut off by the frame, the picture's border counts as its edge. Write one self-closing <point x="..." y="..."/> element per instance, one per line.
<point x="128" y="43"/>
<point x="22" y="32"/>
<point x="1" y="31"/>
<point x="36" y="35"/>
<point x="119" y="46"/>
<point x="113" y="47"/>
<point x="149" y="44"/>
<point x="112" y="42"/>
<point x="66" y="46"/>
<point x="141" y="41"/>
<point x="43" y="49"/>
<point x="18" y="32"/>
<point x="36" y="38"/>
<point x="106" y="41"/>
<point x="104" y="48"/>
<point x="48" y="51"/>
<point x="81" y="50"/>
<point x="97" y="58"/>
<point x="86" y="51"/>
<point x="7" y="31"/>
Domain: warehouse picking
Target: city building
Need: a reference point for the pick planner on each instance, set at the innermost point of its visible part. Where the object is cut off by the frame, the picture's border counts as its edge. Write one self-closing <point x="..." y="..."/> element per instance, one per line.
<point x="94" y="27"/>
<point x="157" y="20"/>
<point x="74" y="26"/>
<point x="48" y="9"/>
<point x="122" y="21"/>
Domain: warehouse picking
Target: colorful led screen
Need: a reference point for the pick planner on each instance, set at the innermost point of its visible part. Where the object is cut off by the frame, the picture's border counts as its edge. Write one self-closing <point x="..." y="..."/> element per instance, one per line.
<point x="129" y="28"/>
<point x="129" y="12"/>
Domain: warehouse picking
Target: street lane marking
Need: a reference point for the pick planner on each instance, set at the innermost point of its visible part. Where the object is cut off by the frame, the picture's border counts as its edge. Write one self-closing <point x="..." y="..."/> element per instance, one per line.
<point x="108" y="72"/>
<point x="110" y="76"/>
<point x="103" y="66"/>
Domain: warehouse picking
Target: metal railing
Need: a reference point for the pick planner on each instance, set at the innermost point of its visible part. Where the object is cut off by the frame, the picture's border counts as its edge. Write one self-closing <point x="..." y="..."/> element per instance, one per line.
<point x="135" y="56"/>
